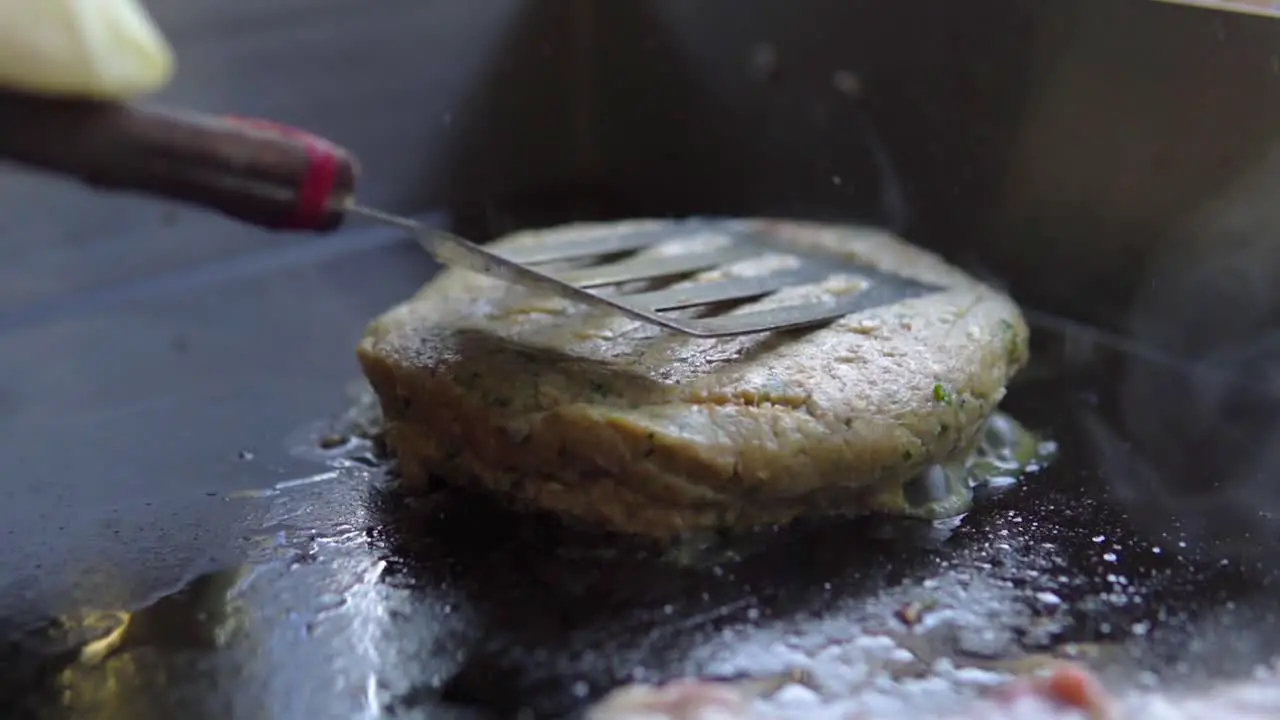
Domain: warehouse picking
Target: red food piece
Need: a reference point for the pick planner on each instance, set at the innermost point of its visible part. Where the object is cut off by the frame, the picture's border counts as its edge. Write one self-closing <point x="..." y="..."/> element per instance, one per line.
<point x="1066" y="685"/>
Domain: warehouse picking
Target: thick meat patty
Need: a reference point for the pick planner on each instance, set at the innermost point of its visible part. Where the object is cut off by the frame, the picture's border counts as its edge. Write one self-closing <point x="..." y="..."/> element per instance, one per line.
<point x="639" y="430"/>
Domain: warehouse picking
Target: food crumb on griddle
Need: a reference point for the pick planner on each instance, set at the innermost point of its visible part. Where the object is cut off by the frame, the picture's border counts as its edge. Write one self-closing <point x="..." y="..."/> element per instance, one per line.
<point x="913" y="613"/>
<point x="333" y="441"/>
<point x="677" y="700"/>
<point x="1067" y="684"/>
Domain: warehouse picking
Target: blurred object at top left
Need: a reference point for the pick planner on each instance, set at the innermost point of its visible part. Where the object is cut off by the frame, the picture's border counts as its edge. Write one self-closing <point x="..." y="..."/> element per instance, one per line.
<point x="91" y="49"/>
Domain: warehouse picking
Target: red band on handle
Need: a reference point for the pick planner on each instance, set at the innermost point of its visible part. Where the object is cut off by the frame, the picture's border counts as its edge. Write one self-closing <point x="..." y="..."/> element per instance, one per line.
<point x="317" y="184"/>
<point x="315" y="190"/>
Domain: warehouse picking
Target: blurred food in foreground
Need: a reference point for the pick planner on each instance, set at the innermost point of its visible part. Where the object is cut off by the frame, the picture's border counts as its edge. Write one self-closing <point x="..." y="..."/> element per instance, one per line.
<point x="1061" y="692"/>
<point x="91" y="49"/>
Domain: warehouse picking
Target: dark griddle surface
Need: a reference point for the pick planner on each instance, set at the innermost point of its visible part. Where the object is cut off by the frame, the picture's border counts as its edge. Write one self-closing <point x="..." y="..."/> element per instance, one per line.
<point x="131" y="427"/>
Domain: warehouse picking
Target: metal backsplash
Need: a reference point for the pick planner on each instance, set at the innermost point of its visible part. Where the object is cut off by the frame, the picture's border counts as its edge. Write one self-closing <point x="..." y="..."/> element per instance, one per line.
<point x="1059" y="145"/>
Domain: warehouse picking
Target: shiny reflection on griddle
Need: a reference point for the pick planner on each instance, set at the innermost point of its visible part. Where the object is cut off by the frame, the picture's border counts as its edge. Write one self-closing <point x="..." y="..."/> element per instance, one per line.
<point x="100" y="664"/>
<point x="246" y="642"/>
<point x="567" y="613"/>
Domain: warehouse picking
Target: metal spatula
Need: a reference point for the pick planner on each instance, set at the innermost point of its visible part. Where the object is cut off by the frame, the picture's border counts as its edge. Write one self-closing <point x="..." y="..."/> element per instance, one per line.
<point x="283" y="178"/>
<point x="612" y="261"/>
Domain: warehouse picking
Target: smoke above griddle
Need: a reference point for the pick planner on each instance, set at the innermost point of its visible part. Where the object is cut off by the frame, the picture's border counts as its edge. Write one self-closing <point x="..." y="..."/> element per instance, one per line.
<point x="1196" y="444"/>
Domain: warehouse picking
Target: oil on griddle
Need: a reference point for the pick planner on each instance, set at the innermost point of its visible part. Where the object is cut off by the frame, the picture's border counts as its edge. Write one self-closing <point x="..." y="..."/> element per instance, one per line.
<point x="360" y="601"/>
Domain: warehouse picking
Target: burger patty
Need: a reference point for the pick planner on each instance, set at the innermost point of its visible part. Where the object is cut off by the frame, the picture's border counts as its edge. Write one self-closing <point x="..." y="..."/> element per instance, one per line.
<point x="625" y="426"/>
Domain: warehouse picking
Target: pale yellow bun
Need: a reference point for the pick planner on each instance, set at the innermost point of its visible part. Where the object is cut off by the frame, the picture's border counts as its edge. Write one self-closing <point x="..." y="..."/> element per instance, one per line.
<point x="94" y="49"/>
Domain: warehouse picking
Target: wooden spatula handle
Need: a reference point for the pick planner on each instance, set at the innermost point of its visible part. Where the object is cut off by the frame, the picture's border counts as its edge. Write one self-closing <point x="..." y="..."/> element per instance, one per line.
<point x="256" y="171"/>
